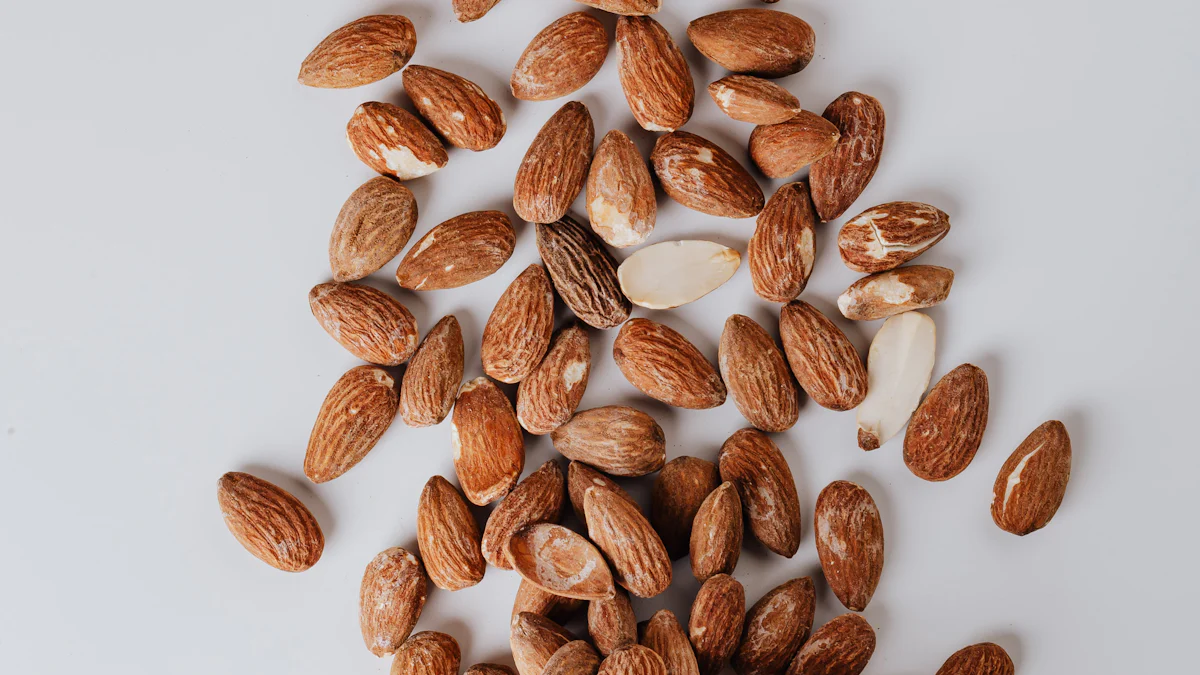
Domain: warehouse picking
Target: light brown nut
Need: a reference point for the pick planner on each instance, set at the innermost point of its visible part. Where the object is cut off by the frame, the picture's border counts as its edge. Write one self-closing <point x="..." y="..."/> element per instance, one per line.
<point x="490" y="669"/>
<point x="673" y="273"/>
<point x="392" y="141"/>
<point x="947" y="428"/>
<point x="269" y="522"/>
<point x="458" y="252"/>
<point x="534" y="639"/>
<point x="625" y="7"/>
<point x="776" y="626"/>
<point x="982" y="659"/>
<point x="639" y="561"/>
<point x="752" y="462"/>
<point x="849" y="542"/>
<point x="611" y="623"/>
<point x="489" y="451"/>
<point x="357" y="411"/>
<point x="825" y="363"/>
<point x="841" y="647"/>
<point x="633" y="660"/>
<point x="390" y="600"/>
<point x="584" y="273"/>
<point x="889" y="235"/>
<point x="746" y="98"/>
<point x="433" y="375"/>
<point x="666" y="367"/>
<point x="654" y="75"/>
<point x="760" y="42"/>
<point x="757" y="375"/>
<point x="372" y="228"/>
<point x="560" y="59"/>
<point x="580" y="477"/>
<point x="548" y="398"/>
<point x="556" y="165"/>
<point x="363" y="51"/>
<point x="448" y="537"/>
<point x="666" y="637"/>
<point x="782" y="150"/>
<point x="369" y="323"/>
<point x="839" y="177"/>
<point x="783" y="247"/>
<point x="537" y="499"/>
<point x="1032" y="482"/>
<point x="471" y="10"/>
<point x="531" y="598"/>
<point x="616" y="439"/>
<point x="573" y="658"/>
<point x="697" y="173"/>
<point x="717" y="534"/>
<point x="559" y="561"/>
<point x="620" y="194"/>
<point x="895" y="292"/>
<point x="519" y="328"/>
<point x="427" y="653"/>
<point x="456" y="107"/>
<point x="715" y="626"/>
<point x="679" y="490"/>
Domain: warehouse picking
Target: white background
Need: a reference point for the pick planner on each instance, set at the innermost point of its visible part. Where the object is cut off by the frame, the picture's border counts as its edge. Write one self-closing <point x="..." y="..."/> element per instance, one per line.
<point x="166" y="195"/>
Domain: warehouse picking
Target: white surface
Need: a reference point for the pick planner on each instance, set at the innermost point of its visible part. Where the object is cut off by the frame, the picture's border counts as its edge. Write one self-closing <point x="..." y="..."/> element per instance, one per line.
<point x="168" y="192"/>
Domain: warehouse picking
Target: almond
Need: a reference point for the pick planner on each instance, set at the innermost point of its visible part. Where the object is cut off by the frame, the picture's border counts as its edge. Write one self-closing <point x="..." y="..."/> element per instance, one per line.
<point x="471" y="10"/>
<point x="531" y="598"/>
<point x="654" y="75"/>
<point x="890" y="293"/>
<point x="757" y="375"/>
<point x="666" y="637"/>
<point x="715" y="626"/>
<point x="489" y="451"/>
<point x="982" y="659"/>
<point x="827" y="366"/>
<point x="368" y="323"/>
<point x="355" y="414"/>
<point x="363" y="51"/>
<point x="573" y="658"/>
<point x="559" y="561"/>
<point x="639" y="561"/>
<point x="841" y="647"/>
<point x="615" y="439"/>
<point x="518" y="331"/>
<point x="1032" y="482"/>
<point x="556" y="165"/>
<point x="611" y="623"/>
<point x="849" y="542"/>
<point x="534" y="639"/>
<point x="580" y="477"/>
<point x="898" y="370"/>
<point x="392" y="141"/>
<point x="633" y="660"/>
<point x="889" y="235"/>
<point x="584" y="273"/>
<point x="783" y="247"/>
<point x="783" y="149"/>
<point x="776" y="626"/>
<point x="448" y="537"/>
<point x="626" y="7"/>
<point x="390" y="600"/>
<point x="700" y="175"/>
<point x="665" y="366"/>
<point x="427" y="653"/>
<point x="537" y="499"/>
<point x="456" y="107"/>
<point x="760" y="42"/>
<point x="746" y="98"/>
<point x="549" y="396"/>
<point x="947" y="428"/>
<point x="372" y="228"/>
<point x="490" y="669"/>
<point x="566" y="55"/>
<point x="269" y="522"/>
<point x="839" y="177"/>
<point x="717" y="534"/>
<point x="620" y="194"/>
<point x="433" y="375"/>
<point x="458" y="252"/>
<point x="679" y="490"/>
<point x="751" y="461"/>
<point x="674" y="273"/>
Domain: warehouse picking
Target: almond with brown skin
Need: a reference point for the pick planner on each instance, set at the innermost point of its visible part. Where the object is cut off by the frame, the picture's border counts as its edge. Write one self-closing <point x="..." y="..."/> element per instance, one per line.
<point x="490" y="669"/>
<point x="895" y="292"/>
<point x="947" y="428"/>
<point x="783" y="149"/>
<point x="471" y="10"/>
<point x="746" y="98"/>
<point x="633" y="660"/>
<point x="433" y="375"/>
<point x="982" y="659"/>
<point x="566" y="55"/>
<point x="269" y="522"/>
<point x="489" y="451"/>
<point x="556" y="165"/>
<point x="757" y="375"/>
<point x="679" y="490"/>
<point x="783" y="247"/>
<point x="626" y="7"/>
<point x="392" y="141"/>
<point x="580" y="477"/>
<point x="752" y="462"/>
<point x="889" y="235"/>
<point x="839" y="177"/>
<point x="697" y="173"/>
<point x="715" y="626"/>
<point x="531" y="598"/>
<point x="372" y="228"/>
<point x="611" y="623"/>
<point x="456" y="107"/>
<point x="427" y="653"/>
<point x="537" y="499"/>
<point x="654" y="75"/>
<point x="458" y="252"/>
<point x="666" y="637"/>
<point x="518" y="331"/>
<point x="841" y="647"/>
<point x="666" y="367"/>
<point x="639" y="560"/>
<point x="615" y="439"/>
<point x="547" y="399"/>
<point x="573" y="658"/>
<point x="390" y="600"/>
<point x="849" y="542"/>
<point x="760" y="42"/>
<point x="448" y="537"/>
<point x="368" y="323"/>
<point x="825" y="363"/>
<point x="355" y="414"/>
<point x="361" y="52"/>
<point x="775" y="628"/>
<point x="620" y="194"/>
<point x="559" y="561"/>
<point x="1032" y="482"/>
<point x="584" y="273"/>
<point x="534" y="639"/>
<point x="717" y="534"/>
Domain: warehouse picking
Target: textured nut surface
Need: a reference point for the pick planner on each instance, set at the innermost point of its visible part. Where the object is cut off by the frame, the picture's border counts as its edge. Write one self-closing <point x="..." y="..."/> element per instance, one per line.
<point x="625" y="7"/>
<point x="654" y="74"/>
<point x="783" y="247"/>
<point x="679" y="490"/>
<point x="890" y="293"/>
<point x="849" y="542"/>
<point x="715" y="626"/>
<point x="368" y="323"/>
<point x="357" y="411"/>
<point x="752" y="462"/>
<point x="717" y="534"/>
<point x="269" y="522"/>
<point x="456" y="107"/>
<point x="697" y="173"/>
<point x="825" y="363"/>
<point x="433" y="375"/>
<point x="471" y="10"/>
<point x="392" y="141"/>
<point x="559" y="561"/>
<point x="537" y="499"/>
<point x="616" y="439"/>
<point x="584" y="273"/>
<point x="666" y="637"/>
<point x="633" y="660"/>
<point x="839" y="177"/>
<point x="534" y="639"/>
<point x="674" y="273"/>
<point x="580" y="477"/>
<point x="639" y="560"/>
<point x="427" y="653"/>
<point x="363" y="51"/>
<point x="757" y="375"/>
<point x="1033" y="480"/>
<point x="985" y="658"/>
<point x="899" y="366"/>
<point x="746" y="98"/>
<point x="460" y="251"/>
<point x="781" y="150"/>
<point x="372" y="228"/>
<point x="556" y="165"/>
<point x="760" y="42"/>
<point x="549" y="396"/>
<point x="889" y="235"/>
<point x="573" y="658"/>
<point x="391" y="598"/>
<point x="448" y="537"/>
<point x="665" y="366"/>
<point x="620" y="194"/>
<point x="563" y="57"/>
<point x="489" y="451"/>
<point x="947" y="428"/>
<point x="775" y="628"/>
<point x="490" y="669"/>
<point x="532" y="598"/>
<point x="611" y="623"/>
<point x="841" y="647"/>
<point x="519" y="328"/>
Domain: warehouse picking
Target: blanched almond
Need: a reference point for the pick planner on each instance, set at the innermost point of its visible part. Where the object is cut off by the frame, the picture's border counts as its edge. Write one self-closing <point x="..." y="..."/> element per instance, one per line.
<point x="674" y="273"/>
<point x="898" y="369"/>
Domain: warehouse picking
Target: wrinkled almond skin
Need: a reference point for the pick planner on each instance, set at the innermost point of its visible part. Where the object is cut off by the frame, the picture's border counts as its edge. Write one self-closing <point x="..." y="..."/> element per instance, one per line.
<point x="717" y="534"/>
<point x="1032" y="482"/>
<point x="534" y="639"/>
<point x="618" y="440"/>
<point x="633" y="660"/>
<point x="611" y="623"/>
<point x="458" y="252"/>
<point x="639" y="560"/>
<point x="746" y="98"/>
<point x="392" y="141"/>
<point x="531" y="598"/>
<point x="775" y="628"/>
<point x="621" y="204"/>
<point x="889" y="235"/>
<point x="556" y="165"/>
<point x="841" y="647"/>
<point x="573" y="658"/>
<point x="626" y="7"/>
<point x="566" y="55"/>
<point x="985" y="658"/>
<point x="427" y="653"/>
<point x="760" y="42"/>
<point x="752" y="462"/>
<point x="471" y="10"/>
<point x="665" y="366"/>
<point x="390" y="600"/>
<point x="361" y="52"/>
<point x="448" y="537"/>
<point x="580" y="477"/>
<point x="679" y="490"/>
<point x="372" y="228"/>
<point x="490" y="669"/>
<point x="947" y="428"/>
<point x="886" y="294"/>
<point x="518" y="331"/>
<point x="825" y="363"/>
<point x="537" y="499"/>
<point x="584" y="273"/>
<point x="269" y="522"/>
<point x="456" y="107"/>
<point x="547" y="399"/>
<point x="697" y="173"/>
<point x="559" y="561"/>
<point x="355" y="414"/>
<point x="654" y="74"/>
<point x="849" y="536"/>
<point x="839" y="177"/>
<point x="433" y="376"/>
<point x="783" y="248"/>
<point x="368" y="323"/>
<point x="489" y="451"/>
<point x="666" y="637"/>
<point x="781" y="150"/>
<point x="715" y="626"/>
<point x="757" y="375"/>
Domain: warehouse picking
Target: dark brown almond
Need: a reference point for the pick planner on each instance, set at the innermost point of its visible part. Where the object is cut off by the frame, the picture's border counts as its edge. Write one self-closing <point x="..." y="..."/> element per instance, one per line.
<point x="518" y="331"/>
<point x="549" y="396"/>
<point x="559" y="561"/>
<point x="573" y="658"/>
<point x="391" y="598"/>
<point x="556" y="165"/>
<point x="889" y="235"/>
<point x="534" y="639"/>
<point x="616" y="439"/>
<point x="638" y="558"/>
<point x="633" y="660"/>
<point x="269" y="522"/>
<point x="839" y="177"/>
<point x="849" y="542"/>
<point x="752" y="462"/>
<point x="458" y="252"/>
<point x="580" y="477"/>
<point x="757" y="375"/>
<point x="895" y="292"/>
<point x="433" y="375"/>
<point x="760" y="42"/>
<point x="782" y="150"/>
<point x="489" y="451"/>
<point x="715" y="626"/>
<point x="825" y="363"/>
<point x="679" y="490"/>
<point x="665" y="366"/>
<point x="746" y="98"/>
<point x="783" y="247"/>
<point x="448" y="537"/>
<point x="611" y="623"/>
<point x="982" y="659"/>
<point x="363" y="51"/>
<point x="531" y="598"/>
<point x="775" y="628"/>
<point x="537" y="499"/>
<point x="355" y="414"/>
<point x="560" y="59"/>
<point x="841" y="647"/>
<point x="626" y="7"/>
<point x="471" y="10"/>
<point x="456" y="107"/>
<point x="654" y="75"/>
<point x="369" y="323"/>
<point x="620" y="193"/>
<point x="372" y="228"/>
<point x="1032" y="482"/>
<point x="427" y="653"/>
<point x="666" y="637"/>
<point x="717" y="534"/>
<point x="584" y="273"/>
<point x="947" y="428"/>
<point x="392" y="141"/>
<point x="697" y="173"/>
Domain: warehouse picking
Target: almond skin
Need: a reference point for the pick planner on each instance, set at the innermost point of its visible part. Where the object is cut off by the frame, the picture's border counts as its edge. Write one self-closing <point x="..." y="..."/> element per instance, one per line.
<point x="752" y="462"/>
<point x="363" y="51"/>
<point x="757" y="375"/>
<point x="654" y="75"/>
<point x="886" y="294"/>
<point x="580" y="477"/>
<point x="269" y="522"/>
<point x="584" y="273"/>
<point x="427" y="653"/>
<point x="471" y="10"/>
<point x="717" y="534"/>
<point x="573" y="658"/>
<point x="355" y="414"/>
<point x="776" y="626"/>
<point x="760" y="42"/>
<point x="534" y="639"/>
<point x="841" y="647"/>
<point x="666" y="367"/>
<point x="700" y="175"/>
<point x="679" y="490"/>
<point x="982" y="659"/>
<point x="367" y="322"/>
<point x="490" y="669"/>
<point x="611" y="623"/>
<point x="889" y="235"/>
<point x="448" y="537"/>
<point x="531" y="598"/>
<point x="547" y="399"/>
<point x="456" y="107"/>
<point x="715" y="626"/>
<point x="1032" y="482"/>
<point x="849" y="542"/>
<point x="556" y="165"/>
<point x="825" y="363"/>
<point x="633" y="660"/>
<point x="489" y="451"/>
<point x="666" y="637"/>
<point x="947" y="428"/>
<point x="433" y="376"/>
<point x="518" y="331"/>
<point x="458" y="252"/>
<point x="537" y="499"/>
<point x="839" y="177"/>
<point x="618" y="440"/>
<point x="746" y="98"/>
<point x="625" y="7"/>
<point x="560" y="562"/>
<point x="372" y="228"/>
<point x="392" y="141"/>
<point x="620" y="194"/>
<point x="781" y="150"/>
<point x="390" y="600"/>
<point x="783" y="247"/>
<point x="566" y="55"/>
<point x="638" y="558"/>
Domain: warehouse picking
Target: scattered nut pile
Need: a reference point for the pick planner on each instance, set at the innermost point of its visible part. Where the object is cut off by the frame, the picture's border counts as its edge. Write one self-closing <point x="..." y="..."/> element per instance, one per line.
<point x="699" y="508"/>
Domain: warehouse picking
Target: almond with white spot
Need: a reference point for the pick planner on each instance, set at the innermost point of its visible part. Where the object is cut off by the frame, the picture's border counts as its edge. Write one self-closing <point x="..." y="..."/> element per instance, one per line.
<point x="519" y="328"/>
<point x="361" y="52"/>
<point x="895" y="292"/>
<point x="947" y="428"/>
<point x="616" y="439"/>
<point x="269" y="522"/>
<point x="560" y="59"/>
<point x="823" y="360"/>
<point x="665" y="366"/>
<point x="458" y="252"/>
<point x="392" y="141"/>
<point x="985" y="658"/>
<point x="611" y="623"/>
<point x="654" y="74"/>
<point x="674" y="273"/>
<point x="357" y="411"/>
<point x="448" y="537"/>
<point x="783" y="247"/>
<point x="560" y="562"/>
<point x="537" y="499"/>
<point x="899" y="366"/>
<point x="679" y="490"/>
<point x="433" y="375"/>
<point x="889" y="235"/>
<point x="669" y="640"/>
<point x="580" y="477"/>
<point x="760" y="42"/>
<point x="556" y="165"/>
<point x="369" y="323"/>
<point x="390" y="600"/>
<point x="532" y="598"/>
<point x="752" y="462"/>
<point x="550" y="395"/>
<point x="781" y="150"/>
<point x="638" y="558"/>
<point x="534" y="639"/>
<point x="1032" y="482"/>
<point x="372" y="228"/>
<point x="456" y="107"/>
<point x="715" y="626"/>
<point x="775" y="628"/>
<point x="746" y="98"/>
<point x="849" y="542"/>
<point x="841" y="647"/>
<point x="716" y="541"/>
<point x="489" y="451"/>
<point x="620" y="194"/>
<point x="838" y="178"/>
<point x="757" y="375"/>
<point x="427" y="653"/>
<point x="697" y="173"/>
<point x="584" y="273"/>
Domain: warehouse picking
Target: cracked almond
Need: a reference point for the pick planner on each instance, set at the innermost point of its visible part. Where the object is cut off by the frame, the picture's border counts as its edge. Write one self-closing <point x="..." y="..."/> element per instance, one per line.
<point x="489" y="451"/>
<point x="559" y="562"/>
<point x="849" y="542"/>
<point x="392" y="141"/>
<point x="363" y="51"/>
<point x="519" y="328"/>
<point x="458" y="252"/>
<point x="889" y="235"/>
<point x="895" y="292"/>
<point x="1033" y="480"/>
<point x="369" y="323"/>
<point x="666" y="367"/>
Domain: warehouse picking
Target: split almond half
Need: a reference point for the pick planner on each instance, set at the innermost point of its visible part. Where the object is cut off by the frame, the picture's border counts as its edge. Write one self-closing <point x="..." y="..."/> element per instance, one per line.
<point x="392" y="141"/>
<point x="889" y="235"/>
<point x="361" y="52"/>
<point x="537" y="499"/>
<point x="899" y="366"/>
<point x="674" y="273"/>
<point x="560" y="562"/>
<point x="1032" y="482"/>
<point x="890" y="293"/>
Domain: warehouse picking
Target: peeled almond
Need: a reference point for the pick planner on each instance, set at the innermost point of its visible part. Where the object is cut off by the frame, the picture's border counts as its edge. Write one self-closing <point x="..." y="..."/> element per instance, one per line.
<point x="675" y="273"/>
<point x="898" y="370"/>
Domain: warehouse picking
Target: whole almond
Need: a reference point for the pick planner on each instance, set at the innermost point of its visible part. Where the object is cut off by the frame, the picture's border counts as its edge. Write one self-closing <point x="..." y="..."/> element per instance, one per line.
<point x="775" y="628"/>
<point x="573" y="658"/>
<point x="559" y="561"/>
<point x="458" y="252"/>
<point x="368" y="323"/>
<point x="620" y="194"/>
<point x="269" y="522"/>
<point x="633" y="660"/>
<point x="363" y="51"/>
<point x="556" y="165"/>
<point x="448" y="537"/>
<point x="746" y="98"/>
<point x="392" y="141"/>
<point x="715" y="626"/>
<point x="639" y="561"/>
<point x="626" y="7"/>
<point x="889" y="235"/>
<point x="355" y="414"/>
<point x="757" y="375"/>
<point x="471" y="10"/>
<point x="531" y="598"/>
<point x="490" y="669"/>
<point x="697" y="173"/>
<point x="433" y="375"/>
<point x="1032" y="482"/>
<point x="783" y="247"/>
<point x="390" y="600"/>
<point x="947" y="428"/>
<point x="760" y="42"/>
<point x="825" y="363"/>
<point x="519" y="328"/>
<point x="427" y="653"/>
<point x="839" y="177"/>
<point x="566" y="55"/>
<point x="615" y="439"/>
<point x="849" y="542"/>
<point x="783" y="149"/>
<point x="611" y="623"/>
<point x="549" y="396"/>
<point x="752" y="462"/>
<point x="679" y="490"/>
<point x="841" y="647"/>
<point x="899" y="366"/>
<point x="673" y="273"/>
<point x="895" y="292"/>
<point x="654" y="75"/>
<point x="537" y="499"/>
<point x="372" y="228"/>
<point x="982" y="659"/>
<point x="665" y="366"/>
<point x="534" y="639"/>
<point x="717" y="534"/>
<point x="489" y="451"/>
<point x="456" y="107"/>
<point x="666" y="637"/>
<point x="580" y="477"/>
<point x="584" y="273"/>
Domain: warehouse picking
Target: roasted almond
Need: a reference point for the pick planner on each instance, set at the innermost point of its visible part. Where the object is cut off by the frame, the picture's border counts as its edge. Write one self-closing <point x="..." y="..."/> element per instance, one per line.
<point x="841" y="647"/>
<point x="889" y="235"/>
<point x="626" y="7"/>
<point x="639" y="561"/>
<point x="620" y="194"/>
<point x="679" y="490"/>
<point x="665" y="366"/>
<point x="269" y="522"/>
<point x="559" y="561"/>
<point x="427" y="653"/>
<point x="615" y="439"/>
<point x="580" y="477"/>
<point x="458" y="252"/>
<point x="372" y="228"/>
<point x="548" y="398"/>
<point x="1032" y="482"/>
<point x="757" y="375"/>
<point x="654" y="75"/>
<point x="823" y="360"/>
<point x="518" y="331"/>
<point x="361" y="52"/>
<point x="783" y="247"/>
<point x="556" y="165"/>
<point x="433" y="375"/>
<point x="947" y="428"/>
<point x="715" y="626"/>
<point x="390" y="600"/>
<point x="456" y="107"/>
<point x="489" y="451"/>
<point x="839" y="177"/>
<point x="717" y="534"/>
<point x="368" y="323"/>
<point x="537" y="499"/>
<point x="573" y="658"/>
<point x="566" y="55"/>
<point x="697" y="173"/>
<point x="898" y="370"/>
<point x="849" y="542"/>
<point x="490" y="669"/>
<point x="775" y="628"/>
<point x="584" y="273"/>
<point x="448" y="537"/>
<point x="746" y="98"/>
<point x="783" y="149"/>
<point x="760" y="42"/>
<point x="392" y="141"/>
<point x="532" y="598"/>
<point x="611" y="623"/>
<point x="982" y="659"/>
<point x="534" y="639"/>
<point x="666" y="637"/>
<point x="751" y="461"/>
<point x="890" y="293"/>
<point x="355" y="414"/>
<point x="633" y="660"/>
<point x="674" y="273"/>
<point x="471" y="10"/>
